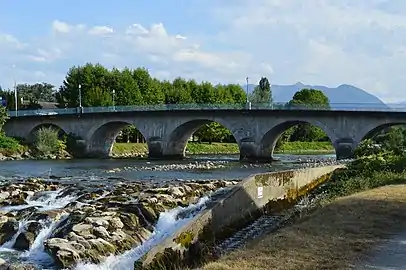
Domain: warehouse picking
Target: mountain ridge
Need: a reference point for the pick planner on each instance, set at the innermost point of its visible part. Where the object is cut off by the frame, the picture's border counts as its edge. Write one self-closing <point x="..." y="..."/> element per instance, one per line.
<point x="340" y="96"/>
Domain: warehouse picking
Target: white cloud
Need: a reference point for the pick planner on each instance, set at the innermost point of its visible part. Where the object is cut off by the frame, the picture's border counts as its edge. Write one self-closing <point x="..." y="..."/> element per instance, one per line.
<point x="314" y="41"/>
<point x="60" y="27"/>
<point x="101" y="30"/>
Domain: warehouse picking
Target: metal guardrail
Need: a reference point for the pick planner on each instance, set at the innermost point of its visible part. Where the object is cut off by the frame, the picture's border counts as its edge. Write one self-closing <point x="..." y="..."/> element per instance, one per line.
<point x="179" y="107"/>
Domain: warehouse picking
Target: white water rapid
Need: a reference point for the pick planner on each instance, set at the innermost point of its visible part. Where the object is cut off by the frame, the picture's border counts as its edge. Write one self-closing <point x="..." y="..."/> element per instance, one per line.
<point x="36" y="252"/>
<point x="47" y="200"/>
<point x="167" y="224"/>
<point x="7" y="246"/>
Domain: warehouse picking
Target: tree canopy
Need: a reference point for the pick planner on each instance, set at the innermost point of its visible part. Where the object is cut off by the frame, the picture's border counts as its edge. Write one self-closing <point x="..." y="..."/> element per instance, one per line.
<point x="306" y="98"/>
<point x="310" y="98"/>
<point x="262" y="93"/>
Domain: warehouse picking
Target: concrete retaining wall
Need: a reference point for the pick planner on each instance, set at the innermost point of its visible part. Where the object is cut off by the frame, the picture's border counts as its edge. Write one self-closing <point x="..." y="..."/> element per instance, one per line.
<point x="247" y="199"/>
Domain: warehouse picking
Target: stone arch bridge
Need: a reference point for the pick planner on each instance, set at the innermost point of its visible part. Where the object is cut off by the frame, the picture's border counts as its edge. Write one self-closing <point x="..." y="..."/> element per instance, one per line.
<point x="167" y="132"/>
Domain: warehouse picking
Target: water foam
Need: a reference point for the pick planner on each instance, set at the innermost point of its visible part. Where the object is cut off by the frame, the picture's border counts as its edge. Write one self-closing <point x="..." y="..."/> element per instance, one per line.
<point x="22" y="225"/>
<point x="48" y="200"/>
<point x="168" y="223"/>
<point x="37" y="252"/>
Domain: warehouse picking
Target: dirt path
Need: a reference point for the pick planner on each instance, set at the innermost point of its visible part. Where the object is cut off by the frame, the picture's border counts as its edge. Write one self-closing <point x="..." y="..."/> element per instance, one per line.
<point x="344" y="234"/>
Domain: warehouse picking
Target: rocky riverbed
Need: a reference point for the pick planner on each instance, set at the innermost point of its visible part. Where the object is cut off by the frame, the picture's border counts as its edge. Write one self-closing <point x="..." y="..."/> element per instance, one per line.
<point x="48" y="225"/>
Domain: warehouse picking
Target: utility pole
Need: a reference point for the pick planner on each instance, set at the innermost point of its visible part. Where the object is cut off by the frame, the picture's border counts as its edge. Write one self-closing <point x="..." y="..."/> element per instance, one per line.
<point x="114" y="104"/>
<point x="15" y="91"/>
<point x="80" y="96"/>
<point x="248" y="103"/>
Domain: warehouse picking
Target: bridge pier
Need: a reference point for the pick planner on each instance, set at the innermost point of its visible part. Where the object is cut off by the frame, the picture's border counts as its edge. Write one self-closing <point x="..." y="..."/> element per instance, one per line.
<point x="344" y="148"/>
<point x="250" y="151"/>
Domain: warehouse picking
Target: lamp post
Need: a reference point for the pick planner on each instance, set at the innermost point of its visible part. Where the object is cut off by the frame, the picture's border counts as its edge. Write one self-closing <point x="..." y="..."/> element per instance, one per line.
<point x="15" y="91"/>
<point x="114" y="94"/>
<point x="248" y="104"/>
<point x="80" y="96"/>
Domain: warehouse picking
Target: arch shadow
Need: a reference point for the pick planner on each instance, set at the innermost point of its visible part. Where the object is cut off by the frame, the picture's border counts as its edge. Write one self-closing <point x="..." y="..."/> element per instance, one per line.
<point x="371" y="132"/>
<point x="177" y="140"/>
<point x="269" y="140"/>
<point x="101" y="141"/>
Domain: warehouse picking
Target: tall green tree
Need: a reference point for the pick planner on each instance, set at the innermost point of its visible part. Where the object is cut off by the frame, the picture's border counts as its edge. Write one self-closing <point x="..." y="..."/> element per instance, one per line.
<point x="126" y="90"/>
<point x="38" y="92"/>
<point x="150" y="89"/>
<point x="309" y="98"/>
<point x="262" y="93"/>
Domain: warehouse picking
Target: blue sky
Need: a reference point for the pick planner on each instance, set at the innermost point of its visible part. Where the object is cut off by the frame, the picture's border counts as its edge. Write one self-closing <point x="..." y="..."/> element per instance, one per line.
<point x="326" y="42"/>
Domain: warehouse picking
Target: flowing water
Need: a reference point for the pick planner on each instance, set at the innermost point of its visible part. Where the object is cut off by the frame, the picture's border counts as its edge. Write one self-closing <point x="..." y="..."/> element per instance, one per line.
<point x="106" y="172"/>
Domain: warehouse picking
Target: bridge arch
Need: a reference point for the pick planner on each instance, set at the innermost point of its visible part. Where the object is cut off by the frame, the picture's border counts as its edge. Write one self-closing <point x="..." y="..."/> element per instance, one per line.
<point x="269" y="140"/>
<point x="369" y="131"/>
<point x="101" y="138"/>
<point x="177" y="139"/>
<point x="33" y="132"/>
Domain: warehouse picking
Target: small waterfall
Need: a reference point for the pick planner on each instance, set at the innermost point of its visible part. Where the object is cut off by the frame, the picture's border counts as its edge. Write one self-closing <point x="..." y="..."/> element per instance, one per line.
<point x="48" y="200"/>
<point x="21" y="228"/>
<point x="167" y="224"/>
<point x="36" y="252"/>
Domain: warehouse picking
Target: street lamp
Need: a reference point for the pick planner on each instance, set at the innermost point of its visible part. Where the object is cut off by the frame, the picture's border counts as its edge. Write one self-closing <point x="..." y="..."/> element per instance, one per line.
<point x="114" y="93"/>
<point x="80" y="96"/>
<point x="15" y="90"/>
<point x="248" y="100"/>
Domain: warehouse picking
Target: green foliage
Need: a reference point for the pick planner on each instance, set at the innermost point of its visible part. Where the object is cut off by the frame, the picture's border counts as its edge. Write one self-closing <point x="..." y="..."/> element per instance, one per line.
<point x="47" y="141"/>
<point x="262" y="93"/>
<point x="214" y="132"/>
<point x="306" y="98"/>
<point x="376" y="164"/>
<point x="310" y="98"/>
<point x="3" y="117"/>
<point x="37" y="92"/>
<point x="136" y="87"/>
<point x="9" y="145"/>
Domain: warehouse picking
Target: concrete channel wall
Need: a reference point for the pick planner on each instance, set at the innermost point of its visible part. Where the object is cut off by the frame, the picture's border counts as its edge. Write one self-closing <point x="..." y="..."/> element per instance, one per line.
<point x="245" y="201"/>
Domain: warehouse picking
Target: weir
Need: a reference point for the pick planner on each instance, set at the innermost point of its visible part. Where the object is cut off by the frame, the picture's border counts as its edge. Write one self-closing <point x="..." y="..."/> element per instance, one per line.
<point x="243" y="204"/>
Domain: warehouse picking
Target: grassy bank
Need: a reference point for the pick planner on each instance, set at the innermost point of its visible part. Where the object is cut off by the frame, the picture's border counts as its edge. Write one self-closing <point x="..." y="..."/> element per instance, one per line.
<point x="363" y="206"/>
<point x="225" y="148"/>
<point x="306" y="147"/>
<point x="336" y="236"/>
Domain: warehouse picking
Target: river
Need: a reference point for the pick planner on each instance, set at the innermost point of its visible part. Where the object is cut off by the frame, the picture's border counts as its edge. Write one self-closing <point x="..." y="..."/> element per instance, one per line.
<point x="220" y="167"/>
<point x="112" y="171"/>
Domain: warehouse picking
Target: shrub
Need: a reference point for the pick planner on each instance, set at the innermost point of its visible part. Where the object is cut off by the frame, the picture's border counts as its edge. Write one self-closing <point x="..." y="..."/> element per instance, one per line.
<point x="47" y="141"/>
<point x="9" y="145"/>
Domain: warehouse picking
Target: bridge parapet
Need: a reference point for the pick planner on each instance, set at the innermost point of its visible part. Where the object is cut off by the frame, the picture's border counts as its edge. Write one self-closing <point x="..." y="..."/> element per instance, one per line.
<point x="182" y="107"/>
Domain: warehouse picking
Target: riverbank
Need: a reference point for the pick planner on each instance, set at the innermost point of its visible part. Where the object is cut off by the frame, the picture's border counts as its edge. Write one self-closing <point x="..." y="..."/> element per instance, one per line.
<point x="141" y="149"/>
<point x="338" y="235"/>
<point x="48" y="224"/>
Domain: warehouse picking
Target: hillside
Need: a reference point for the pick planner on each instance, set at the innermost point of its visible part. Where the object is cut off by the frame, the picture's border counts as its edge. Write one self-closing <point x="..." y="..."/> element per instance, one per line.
<point x="340" y="97"/>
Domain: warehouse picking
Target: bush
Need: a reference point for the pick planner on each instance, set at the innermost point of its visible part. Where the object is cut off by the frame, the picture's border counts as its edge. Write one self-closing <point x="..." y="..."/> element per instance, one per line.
<point x="9" y="145"/>
<point x="47" y="141"/>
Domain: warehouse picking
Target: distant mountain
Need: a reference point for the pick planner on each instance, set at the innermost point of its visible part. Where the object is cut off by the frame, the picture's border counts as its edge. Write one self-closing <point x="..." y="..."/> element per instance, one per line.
<point x="340" y="97"/>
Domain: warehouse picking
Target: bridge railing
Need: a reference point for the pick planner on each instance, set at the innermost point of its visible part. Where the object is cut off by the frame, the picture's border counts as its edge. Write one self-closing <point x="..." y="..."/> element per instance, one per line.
<point x="239" y="106"/>
<point x="43" y="112"/>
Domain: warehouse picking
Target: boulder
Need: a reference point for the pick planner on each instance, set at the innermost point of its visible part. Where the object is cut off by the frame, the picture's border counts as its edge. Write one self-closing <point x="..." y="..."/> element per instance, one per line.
<point x="8" y="230"/>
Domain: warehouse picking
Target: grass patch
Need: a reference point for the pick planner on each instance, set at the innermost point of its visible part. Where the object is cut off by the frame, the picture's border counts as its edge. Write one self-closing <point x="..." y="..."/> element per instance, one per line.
<point x="225" y="148"/>
<point x="128" y="148"/>
<point x="335" y="236"/>
<point x="299" y="147"/>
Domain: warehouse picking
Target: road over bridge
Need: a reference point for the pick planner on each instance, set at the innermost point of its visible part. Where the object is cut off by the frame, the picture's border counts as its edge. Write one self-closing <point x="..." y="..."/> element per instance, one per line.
<point x="167" y="130"/>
